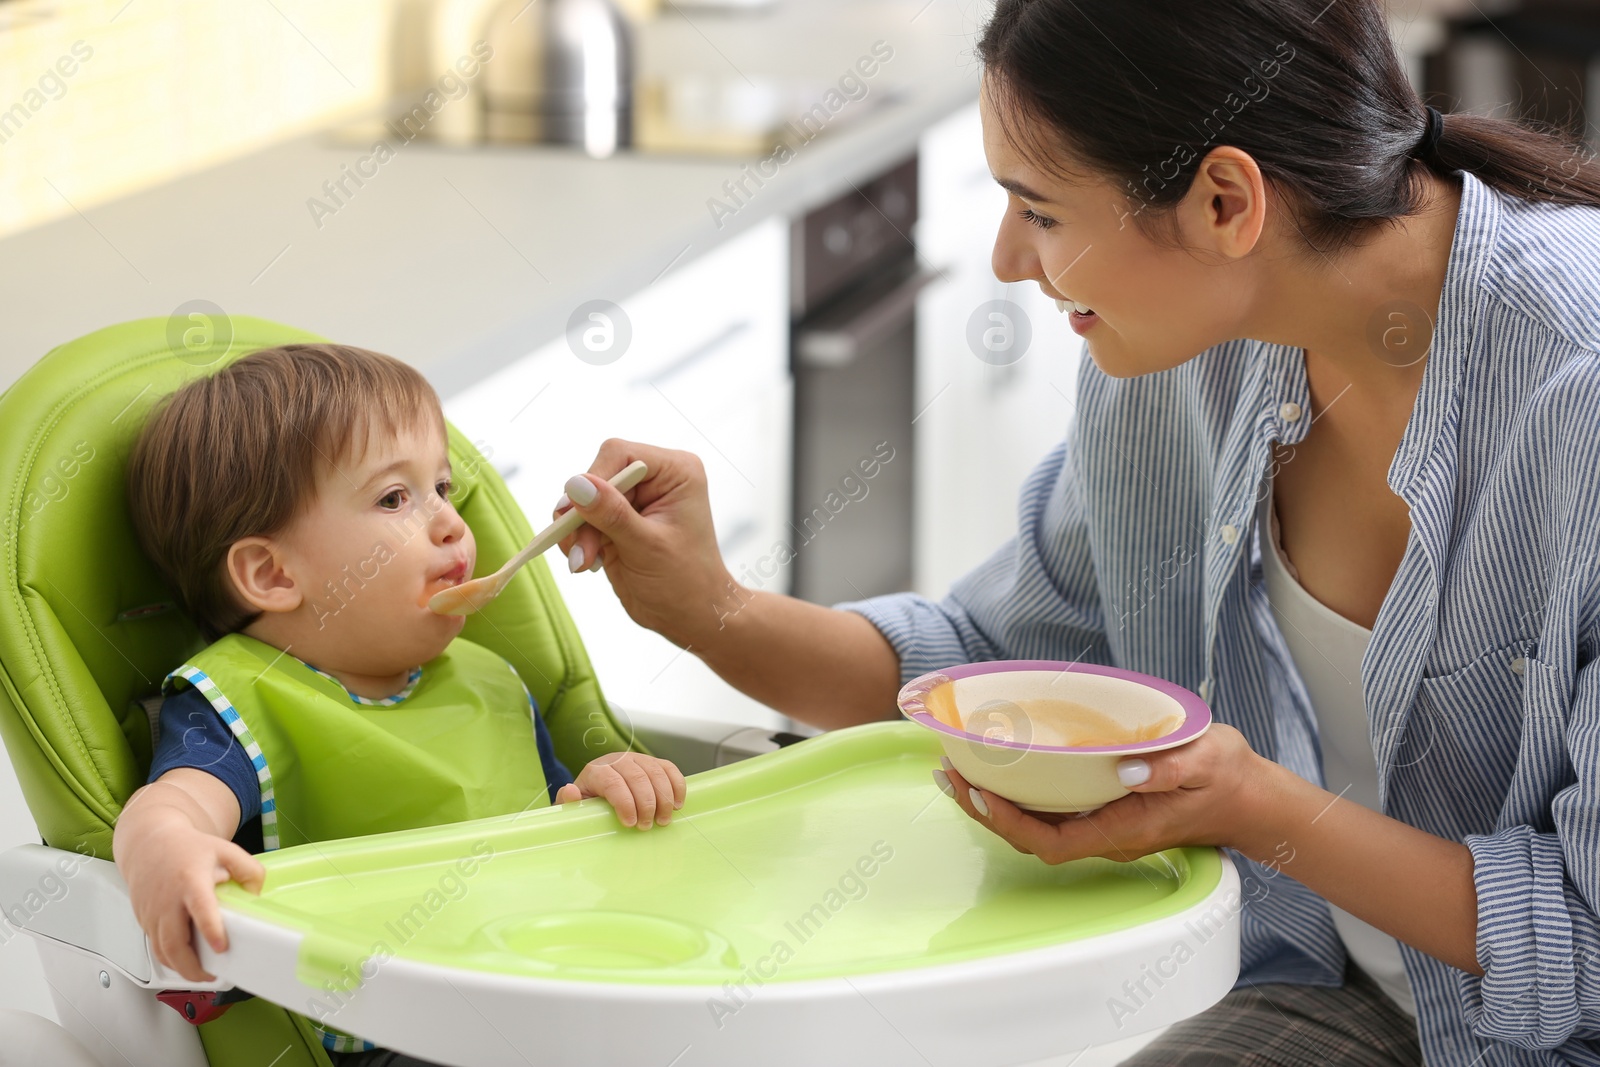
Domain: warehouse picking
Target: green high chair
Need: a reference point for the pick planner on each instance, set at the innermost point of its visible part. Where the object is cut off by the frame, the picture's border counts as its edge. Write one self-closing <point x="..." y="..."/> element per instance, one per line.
<point x="87" y="631"/>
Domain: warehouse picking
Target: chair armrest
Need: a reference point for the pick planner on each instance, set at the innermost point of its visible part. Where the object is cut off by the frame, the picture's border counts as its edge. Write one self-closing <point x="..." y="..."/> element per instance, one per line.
<point x="81" y="902"/>
<point x="700" y="744"/>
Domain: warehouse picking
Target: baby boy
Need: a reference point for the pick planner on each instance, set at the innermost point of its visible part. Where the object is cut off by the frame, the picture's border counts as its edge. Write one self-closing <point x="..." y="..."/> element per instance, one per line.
<point x="299" y="502"/>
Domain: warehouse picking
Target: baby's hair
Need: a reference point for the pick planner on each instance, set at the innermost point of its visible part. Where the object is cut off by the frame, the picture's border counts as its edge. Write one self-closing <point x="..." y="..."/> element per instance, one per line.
<point x="238" y="454"/>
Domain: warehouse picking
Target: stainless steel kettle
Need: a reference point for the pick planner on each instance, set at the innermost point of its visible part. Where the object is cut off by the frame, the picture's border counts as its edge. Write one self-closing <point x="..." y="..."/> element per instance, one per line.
<point x="562" y="74"/>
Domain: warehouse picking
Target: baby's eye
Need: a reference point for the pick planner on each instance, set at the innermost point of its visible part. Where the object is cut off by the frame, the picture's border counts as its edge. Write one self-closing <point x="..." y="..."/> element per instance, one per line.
<point x="391" y="500"/>
<point x="444" y="489"/>
<point x="1033" y="218"/>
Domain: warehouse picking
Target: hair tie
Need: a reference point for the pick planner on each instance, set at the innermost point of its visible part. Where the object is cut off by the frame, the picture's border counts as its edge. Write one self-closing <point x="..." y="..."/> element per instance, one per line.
<point x="1433" y="134"/>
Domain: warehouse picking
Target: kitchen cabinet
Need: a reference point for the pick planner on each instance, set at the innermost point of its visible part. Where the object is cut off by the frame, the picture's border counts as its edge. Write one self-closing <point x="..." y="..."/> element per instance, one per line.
<point x="996" y="364"/>
<point x="697" y="360"/>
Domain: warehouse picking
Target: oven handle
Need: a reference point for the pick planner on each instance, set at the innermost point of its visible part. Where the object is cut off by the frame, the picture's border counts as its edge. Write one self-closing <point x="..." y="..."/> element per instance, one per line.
<point x="840" y="345"/>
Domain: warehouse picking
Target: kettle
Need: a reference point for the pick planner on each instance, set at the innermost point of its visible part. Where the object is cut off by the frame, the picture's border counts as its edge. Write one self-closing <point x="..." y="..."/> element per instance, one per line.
<point x="563" y="74"/>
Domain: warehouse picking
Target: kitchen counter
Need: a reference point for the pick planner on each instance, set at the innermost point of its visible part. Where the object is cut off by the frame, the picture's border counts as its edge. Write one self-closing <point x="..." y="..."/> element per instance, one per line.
<point x="461" y="260"/>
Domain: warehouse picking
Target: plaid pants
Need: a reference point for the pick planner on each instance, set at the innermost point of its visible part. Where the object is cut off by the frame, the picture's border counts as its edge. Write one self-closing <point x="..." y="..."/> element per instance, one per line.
<point x="1278" y="1025"/>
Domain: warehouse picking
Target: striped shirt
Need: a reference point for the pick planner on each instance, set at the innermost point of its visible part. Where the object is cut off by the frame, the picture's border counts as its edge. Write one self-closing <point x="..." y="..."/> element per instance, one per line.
<point x="1137" y="548"/>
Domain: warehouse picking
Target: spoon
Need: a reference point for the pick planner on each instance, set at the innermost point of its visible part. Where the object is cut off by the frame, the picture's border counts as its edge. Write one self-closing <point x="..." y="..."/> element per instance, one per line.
<point x="472" y="596"/>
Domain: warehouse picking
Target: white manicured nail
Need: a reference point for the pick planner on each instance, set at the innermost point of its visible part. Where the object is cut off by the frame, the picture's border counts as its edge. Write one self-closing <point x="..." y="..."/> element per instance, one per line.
<point x="562" y="502"/>
<point x="942" y="780"/>
<point x="978" y="802"/>
<point x="581" y="490"/>
<point x="944" y="761"/>
<point x="599" y="561"/>
<point x="1132" y="772"/>
<point x="575" y="559"/>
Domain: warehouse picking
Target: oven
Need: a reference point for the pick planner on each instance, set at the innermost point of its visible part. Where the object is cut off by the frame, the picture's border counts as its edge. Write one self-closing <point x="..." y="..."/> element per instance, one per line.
<point x="854" y="280"/>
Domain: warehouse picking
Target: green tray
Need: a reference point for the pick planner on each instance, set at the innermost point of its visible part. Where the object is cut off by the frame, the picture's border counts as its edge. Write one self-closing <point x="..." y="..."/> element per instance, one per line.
<point x="834" y="857"/>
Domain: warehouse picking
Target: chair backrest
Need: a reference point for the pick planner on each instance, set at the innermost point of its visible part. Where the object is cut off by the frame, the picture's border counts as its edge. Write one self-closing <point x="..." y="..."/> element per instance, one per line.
<point x="87" y="626"/>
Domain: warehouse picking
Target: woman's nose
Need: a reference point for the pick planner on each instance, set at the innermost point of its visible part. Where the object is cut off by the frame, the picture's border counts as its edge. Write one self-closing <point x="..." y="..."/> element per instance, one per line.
<point x="1014" y="259"/>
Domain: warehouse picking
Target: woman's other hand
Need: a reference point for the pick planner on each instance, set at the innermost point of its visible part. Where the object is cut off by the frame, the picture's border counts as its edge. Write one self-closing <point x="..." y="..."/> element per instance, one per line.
<point x="1207" y="792"/>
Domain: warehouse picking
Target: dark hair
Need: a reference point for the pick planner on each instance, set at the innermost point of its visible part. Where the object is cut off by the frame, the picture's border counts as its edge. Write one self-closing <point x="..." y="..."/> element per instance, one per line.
<point x="1142" y="90"/>
<point x="236" y="454"/>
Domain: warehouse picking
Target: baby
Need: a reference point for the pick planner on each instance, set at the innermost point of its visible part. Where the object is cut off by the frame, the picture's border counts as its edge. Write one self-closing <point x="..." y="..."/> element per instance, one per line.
<point x="298" y="501"/>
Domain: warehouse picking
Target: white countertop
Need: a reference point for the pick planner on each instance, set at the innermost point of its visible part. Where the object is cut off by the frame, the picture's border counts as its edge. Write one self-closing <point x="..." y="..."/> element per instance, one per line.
<point x="461" y="260"/>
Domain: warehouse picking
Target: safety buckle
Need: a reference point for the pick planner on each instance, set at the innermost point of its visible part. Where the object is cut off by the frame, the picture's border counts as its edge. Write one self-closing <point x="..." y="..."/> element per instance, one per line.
<point x="201" y="1006"/>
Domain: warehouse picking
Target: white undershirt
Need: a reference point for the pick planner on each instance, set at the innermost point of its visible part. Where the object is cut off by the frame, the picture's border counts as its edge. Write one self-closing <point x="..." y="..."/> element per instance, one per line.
<point x="1327" y="650"/>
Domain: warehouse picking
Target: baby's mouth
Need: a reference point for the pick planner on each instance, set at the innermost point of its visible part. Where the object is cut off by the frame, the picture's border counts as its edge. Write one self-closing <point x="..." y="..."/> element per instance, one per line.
<point x="452" y="577"/>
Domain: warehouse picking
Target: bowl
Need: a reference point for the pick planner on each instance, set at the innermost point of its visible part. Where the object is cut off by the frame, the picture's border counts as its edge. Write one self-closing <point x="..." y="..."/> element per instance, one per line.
<point x="1048" y="736"/>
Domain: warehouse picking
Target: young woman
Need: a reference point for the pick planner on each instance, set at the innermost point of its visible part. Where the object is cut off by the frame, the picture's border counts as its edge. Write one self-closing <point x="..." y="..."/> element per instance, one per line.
<point x="1334" y="467"/>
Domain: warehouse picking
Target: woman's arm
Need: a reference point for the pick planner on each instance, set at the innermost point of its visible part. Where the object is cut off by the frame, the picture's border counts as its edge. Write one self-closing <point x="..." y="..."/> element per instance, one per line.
<point x="825" y="667"/>
<point x="1035" y="597"/>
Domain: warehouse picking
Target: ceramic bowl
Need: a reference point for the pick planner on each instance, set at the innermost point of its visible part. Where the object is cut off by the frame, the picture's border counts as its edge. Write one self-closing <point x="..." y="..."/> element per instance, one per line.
<point x="1048" y="736"/>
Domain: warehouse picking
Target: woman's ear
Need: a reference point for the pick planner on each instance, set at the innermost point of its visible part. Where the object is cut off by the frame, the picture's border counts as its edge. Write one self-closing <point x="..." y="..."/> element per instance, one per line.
<point x="260" y="577"/>
<point x="1226" y="208"/>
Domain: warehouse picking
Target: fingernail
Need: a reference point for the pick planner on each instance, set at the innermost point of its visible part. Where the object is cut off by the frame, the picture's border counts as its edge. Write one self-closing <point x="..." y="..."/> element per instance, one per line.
<point x="978" y="802"/>
<point x="563" y="502"/>
<point x="1132" y="772"/>
<point x="944" y="761"/>
<point x="581" y="490"/>
<point x="599" y="561"/>
<point x="942" y="780"/>
<point x="575" y="559"/>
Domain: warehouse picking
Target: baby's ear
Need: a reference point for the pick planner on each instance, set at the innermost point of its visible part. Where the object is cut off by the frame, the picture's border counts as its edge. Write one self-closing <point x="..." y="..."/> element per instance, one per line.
<point x="255" y="566"/>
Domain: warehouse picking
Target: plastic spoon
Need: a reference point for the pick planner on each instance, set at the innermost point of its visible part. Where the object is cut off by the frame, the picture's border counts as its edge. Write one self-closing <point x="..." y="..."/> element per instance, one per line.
<point x="472" y="596"/>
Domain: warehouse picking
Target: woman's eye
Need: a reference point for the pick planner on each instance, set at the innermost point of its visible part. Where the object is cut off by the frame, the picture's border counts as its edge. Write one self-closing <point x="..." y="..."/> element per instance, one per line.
<point x="391" y="500"/>
<point x="1033" y="218"/>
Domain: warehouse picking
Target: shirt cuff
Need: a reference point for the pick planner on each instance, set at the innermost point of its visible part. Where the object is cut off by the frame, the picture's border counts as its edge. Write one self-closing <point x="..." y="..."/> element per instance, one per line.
<point x="1532" y="928"/>
<point x="921" y="632"/>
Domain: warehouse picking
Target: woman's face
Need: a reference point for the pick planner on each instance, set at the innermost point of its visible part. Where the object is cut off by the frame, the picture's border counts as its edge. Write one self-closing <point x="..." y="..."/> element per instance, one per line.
<point x="1154" y="307"/>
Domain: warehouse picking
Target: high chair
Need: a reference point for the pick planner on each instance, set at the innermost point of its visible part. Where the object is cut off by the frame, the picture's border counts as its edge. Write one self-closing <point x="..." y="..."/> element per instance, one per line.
<point x="821" y="902"/>
<point x="88" y="630"/>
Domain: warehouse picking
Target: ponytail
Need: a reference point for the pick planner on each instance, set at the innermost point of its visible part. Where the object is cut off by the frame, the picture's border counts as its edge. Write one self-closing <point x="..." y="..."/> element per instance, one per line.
<point x="1518" y="160"/>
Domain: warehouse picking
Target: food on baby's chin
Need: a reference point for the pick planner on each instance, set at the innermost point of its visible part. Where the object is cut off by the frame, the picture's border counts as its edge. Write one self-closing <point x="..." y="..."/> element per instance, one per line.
<point x="1068" y="724"/>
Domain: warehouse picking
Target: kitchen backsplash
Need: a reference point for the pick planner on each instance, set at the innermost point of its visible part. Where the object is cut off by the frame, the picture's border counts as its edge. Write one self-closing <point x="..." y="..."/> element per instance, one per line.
<point x="99" y="98"/>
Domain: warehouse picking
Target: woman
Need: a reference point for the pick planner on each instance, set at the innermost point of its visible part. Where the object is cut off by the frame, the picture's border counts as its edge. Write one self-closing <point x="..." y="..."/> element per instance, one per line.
<point x="1360" y="522"/>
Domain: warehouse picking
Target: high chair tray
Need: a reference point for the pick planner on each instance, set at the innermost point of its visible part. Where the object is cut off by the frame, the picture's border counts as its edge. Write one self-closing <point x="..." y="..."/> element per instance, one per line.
<point x="821" y="904"/>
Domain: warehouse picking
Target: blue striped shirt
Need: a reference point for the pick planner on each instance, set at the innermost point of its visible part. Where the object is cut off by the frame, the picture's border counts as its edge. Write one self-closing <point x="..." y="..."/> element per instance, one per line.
<point x="1137" y="548"/>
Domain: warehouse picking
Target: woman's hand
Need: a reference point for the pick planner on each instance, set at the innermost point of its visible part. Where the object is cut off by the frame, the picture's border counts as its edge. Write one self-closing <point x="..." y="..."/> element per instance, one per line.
<point x="656" y="541"/>
<point x="644" y="790"/>
<point x="1207" y="792"/>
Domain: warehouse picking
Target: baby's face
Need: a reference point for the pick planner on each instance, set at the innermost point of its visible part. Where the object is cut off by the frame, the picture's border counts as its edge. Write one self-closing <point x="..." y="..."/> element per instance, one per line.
<point x="378" y="540"/>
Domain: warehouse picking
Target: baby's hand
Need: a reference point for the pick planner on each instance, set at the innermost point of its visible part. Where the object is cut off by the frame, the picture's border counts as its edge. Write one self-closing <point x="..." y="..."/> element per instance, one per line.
<point x="643" y="789"/>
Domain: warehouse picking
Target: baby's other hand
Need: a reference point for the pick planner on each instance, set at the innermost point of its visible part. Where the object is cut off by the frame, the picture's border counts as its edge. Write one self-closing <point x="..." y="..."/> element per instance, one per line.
<point x="642" y="789"/>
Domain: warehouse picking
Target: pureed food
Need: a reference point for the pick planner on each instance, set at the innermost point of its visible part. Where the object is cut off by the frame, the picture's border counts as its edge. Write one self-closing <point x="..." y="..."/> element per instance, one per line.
<point x="1069" y="724"/>
<point x="1050" y="721"/>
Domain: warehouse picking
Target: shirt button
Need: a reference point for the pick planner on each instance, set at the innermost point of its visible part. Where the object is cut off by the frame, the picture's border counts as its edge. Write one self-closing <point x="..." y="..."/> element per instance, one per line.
<point x="1230" y="533"/>
<point x="1289" y="411"/>
<point x="1519" y="665"/>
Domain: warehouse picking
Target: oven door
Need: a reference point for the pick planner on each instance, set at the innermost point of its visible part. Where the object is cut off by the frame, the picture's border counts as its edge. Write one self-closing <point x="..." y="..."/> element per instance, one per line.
<point x="854" y="389"/>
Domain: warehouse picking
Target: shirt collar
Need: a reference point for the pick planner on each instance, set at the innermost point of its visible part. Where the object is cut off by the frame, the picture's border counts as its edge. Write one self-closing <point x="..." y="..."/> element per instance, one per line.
<point x="1461" y="311"/>
<point x="1438" y="400"/>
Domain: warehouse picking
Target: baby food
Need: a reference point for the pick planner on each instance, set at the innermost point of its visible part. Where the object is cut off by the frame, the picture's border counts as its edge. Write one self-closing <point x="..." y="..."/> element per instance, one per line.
<point x="1070" y="724"/>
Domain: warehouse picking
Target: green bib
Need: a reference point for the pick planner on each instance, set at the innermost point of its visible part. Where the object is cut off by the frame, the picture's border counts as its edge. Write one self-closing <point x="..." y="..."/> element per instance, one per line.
<point x="457" y="743"/>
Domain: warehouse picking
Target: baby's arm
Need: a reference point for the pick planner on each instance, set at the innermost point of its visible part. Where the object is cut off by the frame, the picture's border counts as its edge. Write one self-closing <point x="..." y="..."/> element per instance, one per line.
<point x="173" y="844"/>
<point x="643" y="789"/>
